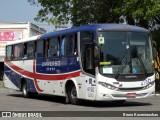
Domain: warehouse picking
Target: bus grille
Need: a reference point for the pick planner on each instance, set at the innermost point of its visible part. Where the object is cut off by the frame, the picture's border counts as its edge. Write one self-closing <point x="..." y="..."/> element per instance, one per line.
<point x="125" y="95"/>
<point x="130" y="89"/>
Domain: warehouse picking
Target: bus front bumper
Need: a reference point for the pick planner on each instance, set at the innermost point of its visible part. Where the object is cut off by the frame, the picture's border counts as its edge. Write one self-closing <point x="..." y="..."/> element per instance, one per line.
<point x="105" y="94"/>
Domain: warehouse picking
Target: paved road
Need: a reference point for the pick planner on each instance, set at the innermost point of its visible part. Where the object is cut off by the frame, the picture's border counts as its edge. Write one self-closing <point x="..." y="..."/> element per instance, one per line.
<point x="11" y="100"/>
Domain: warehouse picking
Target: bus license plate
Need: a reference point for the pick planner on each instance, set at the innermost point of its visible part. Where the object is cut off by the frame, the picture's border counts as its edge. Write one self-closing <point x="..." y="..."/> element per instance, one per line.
<point x="131" y="95"/>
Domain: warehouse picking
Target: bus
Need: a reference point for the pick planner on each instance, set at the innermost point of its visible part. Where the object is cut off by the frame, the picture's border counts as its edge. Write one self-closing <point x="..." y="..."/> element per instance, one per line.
<point x="97" y="62"/>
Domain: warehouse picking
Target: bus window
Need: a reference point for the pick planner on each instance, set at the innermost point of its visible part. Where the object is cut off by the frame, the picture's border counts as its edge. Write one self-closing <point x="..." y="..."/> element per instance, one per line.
<point x="40" y="48"/>
<point x="25" y="51"/>
<point x="68" y="45"/>
<point x="18" y="51"/>
<point x="54" y="47"/>
<point x="9" y="53"/>
<point x="86" y="37"/>
<point x="47" y="53"/>
<point x="30" y="49"/>
<point x="35" y="50"/>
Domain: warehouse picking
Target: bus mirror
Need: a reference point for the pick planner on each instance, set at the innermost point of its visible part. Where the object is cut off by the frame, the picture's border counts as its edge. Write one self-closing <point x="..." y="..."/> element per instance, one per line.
<point x="96" y="54"/>
<point x="89" y="56"/>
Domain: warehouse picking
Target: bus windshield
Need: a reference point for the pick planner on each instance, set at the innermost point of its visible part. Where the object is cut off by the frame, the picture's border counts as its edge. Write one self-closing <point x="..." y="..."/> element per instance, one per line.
<point x="125" y="53"/>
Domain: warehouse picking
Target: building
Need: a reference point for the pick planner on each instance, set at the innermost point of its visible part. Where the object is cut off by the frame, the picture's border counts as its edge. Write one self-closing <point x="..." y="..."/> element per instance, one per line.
<point x="16" y="31"/>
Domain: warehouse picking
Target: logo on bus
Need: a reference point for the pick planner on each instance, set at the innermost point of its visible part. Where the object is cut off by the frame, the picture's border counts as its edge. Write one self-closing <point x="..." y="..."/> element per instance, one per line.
<point x="51" y="63"/>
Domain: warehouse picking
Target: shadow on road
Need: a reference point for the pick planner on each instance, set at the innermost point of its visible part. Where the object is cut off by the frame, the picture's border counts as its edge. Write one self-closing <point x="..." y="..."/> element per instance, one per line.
<point x="61" y="100"/>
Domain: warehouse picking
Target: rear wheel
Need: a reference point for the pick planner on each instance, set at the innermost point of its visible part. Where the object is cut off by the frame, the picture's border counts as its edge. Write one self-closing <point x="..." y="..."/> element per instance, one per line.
<point x="72" y="94"/>
<point x="24" y="90"/>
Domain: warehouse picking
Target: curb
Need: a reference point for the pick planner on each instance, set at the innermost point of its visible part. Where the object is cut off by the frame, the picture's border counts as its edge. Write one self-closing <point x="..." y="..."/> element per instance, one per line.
<point x="157" y="94"/>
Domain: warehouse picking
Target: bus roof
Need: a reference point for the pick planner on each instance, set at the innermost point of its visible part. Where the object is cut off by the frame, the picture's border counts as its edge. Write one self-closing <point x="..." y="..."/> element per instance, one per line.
<point x="23" y="40"/>
<point x="90" y="27"/>
<point x="95" y="27"/>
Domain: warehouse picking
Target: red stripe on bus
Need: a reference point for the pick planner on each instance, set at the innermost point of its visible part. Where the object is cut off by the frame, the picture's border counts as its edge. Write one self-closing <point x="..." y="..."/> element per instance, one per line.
<point x="43" y="76"/>
<point x="36" y="76"/>
<point x="35" y="80"/>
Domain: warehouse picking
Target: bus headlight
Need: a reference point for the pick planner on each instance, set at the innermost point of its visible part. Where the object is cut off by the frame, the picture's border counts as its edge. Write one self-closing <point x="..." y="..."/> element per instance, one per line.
<point x="149" y="85"/>
<point x="106" y="85"/>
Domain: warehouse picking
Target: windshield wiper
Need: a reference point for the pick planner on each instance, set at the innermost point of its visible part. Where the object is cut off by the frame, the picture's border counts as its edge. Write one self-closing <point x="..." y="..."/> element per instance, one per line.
<point x="124" y="59"/>
<point x="141" y="61"/>
<point x="143" y="66"/>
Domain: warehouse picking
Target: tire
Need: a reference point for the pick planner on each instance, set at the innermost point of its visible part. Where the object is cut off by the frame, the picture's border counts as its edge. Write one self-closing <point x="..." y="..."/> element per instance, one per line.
<point x="25" y="93"/>
<point x="72" y="95"/>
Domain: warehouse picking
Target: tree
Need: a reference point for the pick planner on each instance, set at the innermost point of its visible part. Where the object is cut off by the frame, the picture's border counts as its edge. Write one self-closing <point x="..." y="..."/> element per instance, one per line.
<point x="52" y="11"/>
<point x="94" y="11"/>
<point x="78" y="12"/>
<point x="146" y="12"/>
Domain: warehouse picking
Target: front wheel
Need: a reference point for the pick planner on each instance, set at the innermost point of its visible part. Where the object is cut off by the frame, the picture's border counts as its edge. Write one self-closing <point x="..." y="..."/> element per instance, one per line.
<point x="72" y="94"/>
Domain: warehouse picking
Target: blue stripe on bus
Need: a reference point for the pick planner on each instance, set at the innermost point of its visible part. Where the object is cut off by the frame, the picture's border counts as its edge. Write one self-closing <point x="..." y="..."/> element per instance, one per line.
<point x="57" y="65"/>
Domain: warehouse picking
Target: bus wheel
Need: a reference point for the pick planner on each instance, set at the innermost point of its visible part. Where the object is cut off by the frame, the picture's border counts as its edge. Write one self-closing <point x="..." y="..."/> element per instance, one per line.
<point x="72" y="94"/>
<point x="24" y="90"/>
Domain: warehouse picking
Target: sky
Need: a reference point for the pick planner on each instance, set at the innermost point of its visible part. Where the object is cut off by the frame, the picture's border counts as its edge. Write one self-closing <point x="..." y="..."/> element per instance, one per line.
<point x="20" y="11"/>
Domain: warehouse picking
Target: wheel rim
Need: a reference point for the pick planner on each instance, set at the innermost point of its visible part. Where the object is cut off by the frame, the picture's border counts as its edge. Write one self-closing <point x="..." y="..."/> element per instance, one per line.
<point x="24" y="90"/>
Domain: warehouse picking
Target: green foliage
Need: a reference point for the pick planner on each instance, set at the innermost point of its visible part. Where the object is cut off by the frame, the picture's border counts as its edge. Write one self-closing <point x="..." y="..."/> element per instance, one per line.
<point x="144" y="10"/>
<point x="53" y="11"/>
<point x="95" y="11"/>
<point x="156" y="38"/>
<point x="80" y="12"/>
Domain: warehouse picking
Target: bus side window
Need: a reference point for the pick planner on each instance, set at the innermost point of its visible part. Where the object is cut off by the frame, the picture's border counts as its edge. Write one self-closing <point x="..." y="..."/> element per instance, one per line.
<point x="35" y="50"/>
<point x="9" y="53"/>
<point x="68" y="45"/>
<point x="40" y="48"/>
<point x="63" y="46"/>
<point x="54" y="47"/>
<point x="30" y="49"/>
<point x="46" y="50"/>
<point x="75" y="49"/>
<point x="18" y="51"/>
<point x="25" y="50"/>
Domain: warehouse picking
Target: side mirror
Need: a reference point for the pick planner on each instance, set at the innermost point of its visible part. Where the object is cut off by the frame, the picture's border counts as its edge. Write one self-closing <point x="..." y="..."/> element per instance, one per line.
<point x="89" y="56"/>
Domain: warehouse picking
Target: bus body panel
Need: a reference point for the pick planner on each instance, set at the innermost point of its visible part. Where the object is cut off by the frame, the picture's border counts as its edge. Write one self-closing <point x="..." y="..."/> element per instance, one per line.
<point x="36" y="73"/>
<point x="8" y="83"/>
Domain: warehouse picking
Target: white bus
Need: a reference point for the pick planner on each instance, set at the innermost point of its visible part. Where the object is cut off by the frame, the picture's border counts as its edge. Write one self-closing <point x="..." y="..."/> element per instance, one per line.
<point x="98" y="62"/>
